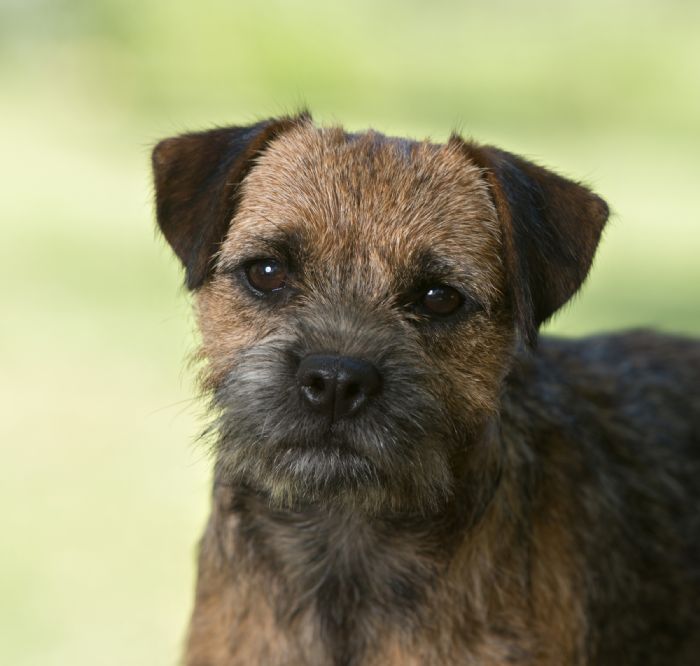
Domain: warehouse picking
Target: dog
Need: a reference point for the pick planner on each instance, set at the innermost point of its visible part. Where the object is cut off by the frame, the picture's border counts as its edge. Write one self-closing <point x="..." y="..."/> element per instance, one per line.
<point x="404" y="473"/>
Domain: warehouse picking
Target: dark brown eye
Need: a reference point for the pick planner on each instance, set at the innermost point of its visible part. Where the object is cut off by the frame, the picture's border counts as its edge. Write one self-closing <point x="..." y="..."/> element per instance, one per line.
<point x="267" y="275"/>
<point x="441" y="300"/>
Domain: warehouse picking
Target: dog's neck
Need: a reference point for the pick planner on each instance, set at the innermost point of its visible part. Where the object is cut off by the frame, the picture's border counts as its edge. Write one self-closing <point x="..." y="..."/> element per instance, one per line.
<point x="350" y="571"/>
<point x="310" y="545"/>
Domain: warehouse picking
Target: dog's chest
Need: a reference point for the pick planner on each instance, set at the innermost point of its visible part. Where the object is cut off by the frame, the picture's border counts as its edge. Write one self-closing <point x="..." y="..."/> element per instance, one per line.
<point x="327" y="600"/>
<point x="251" y="642"/>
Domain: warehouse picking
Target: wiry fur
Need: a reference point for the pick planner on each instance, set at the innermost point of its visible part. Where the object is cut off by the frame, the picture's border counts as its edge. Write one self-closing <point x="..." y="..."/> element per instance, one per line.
<point x="493" y="504"/>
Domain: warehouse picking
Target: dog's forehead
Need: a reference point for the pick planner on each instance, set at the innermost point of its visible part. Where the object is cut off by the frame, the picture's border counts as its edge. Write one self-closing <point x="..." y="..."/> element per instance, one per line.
<point x="344" y="195"/>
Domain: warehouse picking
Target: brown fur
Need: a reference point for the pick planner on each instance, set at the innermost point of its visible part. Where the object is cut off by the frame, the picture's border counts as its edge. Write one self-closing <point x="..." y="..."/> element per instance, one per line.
<point x="502" y="505"/>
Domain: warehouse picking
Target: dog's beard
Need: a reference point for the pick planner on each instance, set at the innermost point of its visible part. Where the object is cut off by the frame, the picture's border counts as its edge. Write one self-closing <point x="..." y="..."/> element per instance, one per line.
<point x="393" y="455"/>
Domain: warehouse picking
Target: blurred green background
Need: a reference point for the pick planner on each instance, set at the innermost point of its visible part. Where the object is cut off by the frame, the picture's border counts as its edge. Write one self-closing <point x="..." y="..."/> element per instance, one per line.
<point x="102" y="491"/>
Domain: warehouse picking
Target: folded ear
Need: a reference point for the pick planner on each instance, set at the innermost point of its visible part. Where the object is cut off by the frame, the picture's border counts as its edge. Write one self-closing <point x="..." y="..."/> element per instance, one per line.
<point x="197" y="178"/>
<point x="551" y="227"/>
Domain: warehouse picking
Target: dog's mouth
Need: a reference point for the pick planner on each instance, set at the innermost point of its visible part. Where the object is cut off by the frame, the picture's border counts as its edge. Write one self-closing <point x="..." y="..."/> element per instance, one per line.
<point x="330" y="439"/>
<point x="329" y="448"/>
<point x="328" y="466"/>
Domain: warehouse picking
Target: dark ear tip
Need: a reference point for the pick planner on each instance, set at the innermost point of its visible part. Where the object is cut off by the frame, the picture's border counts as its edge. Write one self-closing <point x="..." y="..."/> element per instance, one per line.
<point x="165" y="152"/>
<point x="599" y="208"/>
<point x="194" y="280"/>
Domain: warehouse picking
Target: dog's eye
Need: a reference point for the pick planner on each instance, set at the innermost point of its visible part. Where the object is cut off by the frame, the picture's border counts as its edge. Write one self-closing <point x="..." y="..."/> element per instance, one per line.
<point x="266" y="275"/>
<point x="441" y="300"/>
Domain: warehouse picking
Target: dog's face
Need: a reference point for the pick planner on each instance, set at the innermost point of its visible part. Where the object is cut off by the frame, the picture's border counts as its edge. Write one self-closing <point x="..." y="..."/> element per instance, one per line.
<point x="354" y="322"/>
<point x="356" y="300"/>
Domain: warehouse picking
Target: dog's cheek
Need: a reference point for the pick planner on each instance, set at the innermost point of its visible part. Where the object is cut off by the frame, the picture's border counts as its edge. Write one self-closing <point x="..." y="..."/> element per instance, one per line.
<point x="228" y="322"/>
<point x="472" y="363"/>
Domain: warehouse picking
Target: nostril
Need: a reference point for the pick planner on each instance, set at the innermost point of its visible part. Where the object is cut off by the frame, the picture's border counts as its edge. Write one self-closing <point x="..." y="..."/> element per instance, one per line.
<point x="358" y="381"/>
<point x="315" y="384"/>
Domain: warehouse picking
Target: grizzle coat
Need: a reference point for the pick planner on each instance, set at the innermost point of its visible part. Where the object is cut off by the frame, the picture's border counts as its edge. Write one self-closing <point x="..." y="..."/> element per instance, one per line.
<point x="404" y="474"/>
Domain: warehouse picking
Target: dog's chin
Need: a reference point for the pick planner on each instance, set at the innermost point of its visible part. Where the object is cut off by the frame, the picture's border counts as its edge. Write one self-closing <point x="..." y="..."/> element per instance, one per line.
<point x="333" y="472"/>
<point x="294" y="476"/>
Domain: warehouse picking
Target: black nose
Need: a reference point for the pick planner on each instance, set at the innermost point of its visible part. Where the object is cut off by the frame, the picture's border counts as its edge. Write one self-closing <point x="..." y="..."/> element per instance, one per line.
<point x="337" y="386"/>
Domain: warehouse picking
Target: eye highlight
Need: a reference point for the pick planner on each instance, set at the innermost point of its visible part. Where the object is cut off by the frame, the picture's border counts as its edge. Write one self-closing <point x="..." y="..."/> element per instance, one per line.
<point x="266" y="275"/>
<point x="440" y="301"/>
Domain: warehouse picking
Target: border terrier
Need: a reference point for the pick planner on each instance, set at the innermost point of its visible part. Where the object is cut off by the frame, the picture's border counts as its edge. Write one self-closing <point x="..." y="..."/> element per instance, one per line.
<point x="402" y="474"/>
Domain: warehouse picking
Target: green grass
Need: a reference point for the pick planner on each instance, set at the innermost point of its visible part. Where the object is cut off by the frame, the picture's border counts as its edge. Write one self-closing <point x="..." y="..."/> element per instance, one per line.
<point x="102" y="490"/>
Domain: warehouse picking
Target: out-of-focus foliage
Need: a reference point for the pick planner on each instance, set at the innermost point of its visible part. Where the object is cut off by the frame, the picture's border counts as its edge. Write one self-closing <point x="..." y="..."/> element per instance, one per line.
<point x="101" y="494"/>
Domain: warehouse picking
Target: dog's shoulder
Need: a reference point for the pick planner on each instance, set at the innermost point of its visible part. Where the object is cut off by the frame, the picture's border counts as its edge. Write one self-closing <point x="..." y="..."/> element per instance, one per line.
<point x="640" y="376"/>
<point x="606" y="429"/>
<point x="629" y="354"/>
<point x="623" y="406"/>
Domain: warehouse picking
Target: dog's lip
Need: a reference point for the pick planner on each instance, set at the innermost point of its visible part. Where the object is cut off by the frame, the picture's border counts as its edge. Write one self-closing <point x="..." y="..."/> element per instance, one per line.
<point x="334" y="446"/>
<point x="327" y="456"/>
<point x="322" y="436"/>
<point x="330" y="445"/>
<point x="326" y="459"/>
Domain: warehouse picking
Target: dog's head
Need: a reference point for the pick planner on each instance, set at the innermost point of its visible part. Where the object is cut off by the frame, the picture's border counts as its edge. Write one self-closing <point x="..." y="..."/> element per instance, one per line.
<point x="360" y="298"/>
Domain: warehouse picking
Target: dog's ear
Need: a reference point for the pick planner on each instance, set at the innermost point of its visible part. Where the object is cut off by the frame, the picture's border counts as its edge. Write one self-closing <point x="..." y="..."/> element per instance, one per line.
<point x="197" y="178"/>
<point x="551" y="230"/>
